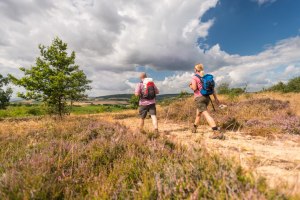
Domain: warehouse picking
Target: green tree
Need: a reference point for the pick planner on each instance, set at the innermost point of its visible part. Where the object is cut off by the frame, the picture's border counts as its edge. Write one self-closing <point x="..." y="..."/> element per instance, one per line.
<point x="223" y="88"/>
<point x="279" y="87"/>
<point x="183" y="94"/>
<point x="55" y="79"/>
<point x="134" y="101"/>
<point x="5" y="92"/>
<point x="292" y="85"/>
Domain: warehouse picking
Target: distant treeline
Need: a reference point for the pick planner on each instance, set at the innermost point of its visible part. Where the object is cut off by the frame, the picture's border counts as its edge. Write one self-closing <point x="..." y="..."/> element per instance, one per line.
<point x="292" y="85"/>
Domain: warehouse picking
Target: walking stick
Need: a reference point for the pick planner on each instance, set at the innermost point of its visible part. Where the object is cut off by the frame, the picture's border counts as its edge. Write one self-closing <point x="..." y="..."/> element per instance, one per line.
<point x="212" y="103"/>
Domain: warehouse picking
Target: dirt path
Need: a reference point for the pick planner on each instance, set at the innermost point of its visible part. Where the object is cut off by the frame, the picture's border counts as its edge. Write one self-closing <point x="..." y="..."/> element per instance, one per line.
<point x="277" y="159"/>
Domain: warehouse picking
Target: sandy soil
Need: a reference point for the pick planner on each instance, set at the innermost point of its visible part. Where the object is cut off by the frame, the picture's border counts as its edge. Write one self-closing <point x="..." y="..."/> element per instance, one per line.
<point x="276" y="159"/>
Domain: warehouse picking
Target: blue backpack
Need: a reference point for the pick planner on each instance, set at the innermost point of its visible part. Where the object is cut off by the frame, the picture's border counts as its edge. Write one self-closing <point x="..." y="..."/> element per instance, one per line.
<point x="208" y="84"/>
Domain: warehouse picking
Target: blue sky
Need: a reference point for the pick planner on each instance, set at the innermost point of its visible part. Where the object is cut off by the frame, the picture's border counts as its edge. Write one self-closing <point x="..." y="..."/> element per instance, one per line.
<point x="243" y="27"/>
<point x="253" y="42"/>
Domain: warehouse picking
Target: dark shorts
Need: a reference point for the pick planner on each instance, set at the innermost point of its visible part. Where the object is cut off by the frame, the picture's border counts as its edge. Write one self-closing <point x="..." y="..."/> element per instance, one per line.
<point x="143" y="110"/>
<point x="202" y="103"/>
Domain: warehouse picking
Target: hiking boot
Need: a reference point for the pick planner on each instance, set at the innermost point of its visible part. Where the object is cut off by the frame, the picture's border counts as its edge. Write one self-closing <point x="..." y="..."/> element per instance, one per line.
<point x="217" y="135"/>
<point x="194" y="129"/>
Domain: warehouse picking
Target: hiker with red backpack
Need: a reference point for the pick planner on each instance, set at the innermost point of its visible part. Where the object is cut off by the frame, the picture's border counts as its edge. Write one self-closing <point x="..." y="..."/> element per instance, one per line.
<point x="147" y="92"/>
<point x="203" y="86"/>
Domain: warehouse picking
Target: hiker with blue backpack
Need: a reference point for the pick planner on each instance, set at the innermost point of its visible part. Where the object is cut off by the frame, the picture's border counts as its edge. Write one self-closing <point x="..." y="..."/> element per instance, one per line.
<point x="203" y="86"/>
<point x="146" y="90"/>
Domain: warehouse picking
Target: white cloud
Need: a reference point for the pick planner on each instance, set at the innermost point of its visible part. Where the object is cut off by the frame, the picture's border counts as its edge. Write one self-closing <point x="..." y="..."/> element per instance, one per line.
<point x="277" y="63"/>
<point x="111" y="38"/>
<point x="108" y="36"/>
<point x="267" y="67"/>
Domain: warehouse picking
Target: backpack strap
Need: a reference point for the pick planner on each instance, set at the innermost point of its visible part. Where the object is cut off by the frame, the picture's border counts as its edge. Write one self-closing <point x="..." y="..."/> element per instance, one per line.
<point x="141" y="89"/>
<point x="198" y="76"/>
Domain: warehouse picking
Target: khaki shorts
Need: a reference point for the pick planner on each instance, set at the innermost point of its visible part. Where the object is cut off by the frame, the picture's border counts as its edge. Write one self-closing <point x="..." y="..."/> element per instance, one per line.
<point x="143" y="110"/>
<point x="202" y="103"/>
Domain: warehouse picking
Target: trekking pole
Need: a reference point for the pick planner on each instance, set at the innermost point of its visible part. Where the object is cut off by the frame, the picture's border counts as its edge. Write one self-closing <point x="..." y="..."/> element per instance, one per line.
<point x="212" y="103"/>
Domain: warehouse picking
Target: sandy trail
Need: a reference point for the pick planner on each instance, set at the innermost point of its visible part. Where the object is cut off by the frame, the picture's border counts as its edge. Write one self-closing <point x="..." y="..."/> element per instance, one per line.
<point x="277" y="159"/>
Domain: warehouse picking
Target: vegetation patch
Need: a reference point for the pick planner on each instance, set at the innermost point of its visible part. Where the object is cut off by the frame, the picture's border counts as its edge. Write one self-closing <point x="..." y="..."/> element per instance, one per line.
<point x="21" y="111"/>
<point x="82" y="158"/>
<point x="262" y="116"/>
<point x="292" y="85"/>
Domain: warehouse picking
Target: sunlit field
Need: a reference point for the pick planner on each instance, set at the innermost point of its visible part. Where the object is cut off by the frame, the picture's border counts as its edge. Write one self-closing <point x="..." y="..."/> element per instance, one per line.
<point x="82" y="157"/>
<point x="85" y="156"/>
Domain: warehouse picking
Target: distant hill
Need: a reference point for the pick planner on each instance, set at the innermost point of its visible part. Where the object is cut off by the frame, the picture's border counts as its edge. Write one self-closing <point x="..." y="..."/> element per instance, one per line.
<point x="127" y="96"/>
<point x="115" y="96"/>
<point x="106" y="98"/>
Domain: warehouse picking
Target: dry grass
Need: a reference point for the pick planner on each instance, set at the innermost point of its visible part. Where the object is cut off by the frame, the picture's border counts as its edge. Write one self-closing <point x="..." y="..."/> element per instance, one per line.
<point x="83" y="158"/>
<point x="292" y="98"/>
<point x="257" y="114"/>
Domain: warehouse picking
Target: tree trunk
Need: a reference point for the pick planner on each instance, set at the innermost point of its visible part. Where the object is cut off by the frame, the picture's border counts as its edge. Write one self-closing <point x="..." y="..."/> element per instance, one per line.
<point x="60" y="107"/>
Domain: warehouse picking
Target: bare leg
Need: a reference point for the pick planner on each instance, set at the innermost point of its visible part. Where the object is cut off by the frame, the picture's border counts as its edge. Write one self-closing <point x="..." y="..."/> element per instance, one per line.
<point x="142" y="124"/>
<point x="154" y="122"/>
<point x="198" y="117"/>
<point x="209" y="119"/>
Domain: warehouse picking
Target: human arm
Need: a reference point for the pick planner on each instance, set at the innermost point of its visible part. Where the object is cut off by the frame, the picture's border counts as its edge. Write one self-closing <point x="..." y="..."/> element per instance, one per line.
<point x="137" y="91"/>
<point x="193" y="85"/>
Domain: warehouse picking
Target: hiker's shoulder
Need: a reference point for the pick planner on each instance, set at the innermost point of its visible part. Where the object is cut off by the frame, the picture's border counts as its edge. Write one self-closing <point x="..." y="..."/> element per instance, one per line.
<point x="194" y="77"/>
<point x="138" y="85"/>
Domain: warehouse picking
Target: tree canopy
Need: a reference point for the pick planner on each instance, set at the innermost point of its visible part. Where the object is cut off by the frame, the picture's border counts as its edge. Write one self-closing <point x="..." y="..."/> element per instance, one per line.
<point x="55" y="79"/>
<point x="292" y="85"/>
<point x="5" y="93"/>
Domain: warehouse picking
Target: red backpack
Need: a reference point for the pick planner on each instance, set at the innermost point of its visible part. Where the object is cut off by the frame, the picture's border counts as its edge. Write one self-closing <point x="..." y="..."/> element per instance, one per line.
<point x="148" y="92"/>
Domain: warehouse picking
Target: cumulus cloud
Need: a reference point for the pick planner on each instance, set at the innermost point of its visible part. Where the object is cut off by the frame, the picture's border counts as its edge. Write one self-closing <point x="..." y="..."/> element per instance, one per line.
<point x="112" y="38"/>
<point x="267" y="67"/>
<point x="279" y="62"/>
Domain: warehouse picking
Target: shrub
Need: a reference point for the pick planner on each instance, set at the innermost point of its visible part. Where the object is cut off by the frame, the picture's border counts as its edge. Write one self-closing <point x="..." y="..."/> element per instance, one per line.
<point x="293" y="85"/>
<point x="5" y="92"/>
<point x="231" y="93"/>
<point x="261" y="116"/>
<point x="94" y="109"/>
<point x="19" y="110"/>
<point x="183" y="94"/>
<point x="88" y="158"/>
<point x="134" y="102"/>
<point x="35" y="111"/>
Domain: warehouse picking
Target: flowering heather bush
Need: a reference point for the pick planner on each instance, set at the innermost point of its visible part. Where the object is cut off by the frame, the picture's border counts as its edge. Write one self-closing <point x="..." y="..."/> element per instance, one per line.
<point x="83" y="158"/>
<point x="287" y="123"/>
<point x="290" y="124"/>
<point x="267" y="103"/>
<point x="261" y="116"/>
